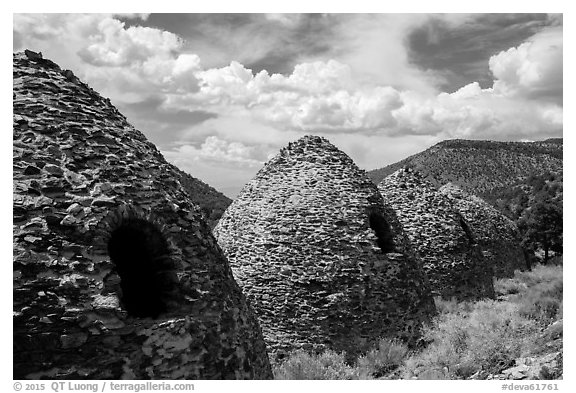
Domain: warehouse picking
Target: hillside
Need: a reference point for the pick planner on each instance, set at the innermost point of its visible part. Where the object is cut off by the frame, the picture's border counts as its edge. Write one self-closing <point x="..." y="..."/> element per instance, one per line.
<point x="211" y="201"/>
<point x="482" y="168"/>
<point x="512" y="201"/>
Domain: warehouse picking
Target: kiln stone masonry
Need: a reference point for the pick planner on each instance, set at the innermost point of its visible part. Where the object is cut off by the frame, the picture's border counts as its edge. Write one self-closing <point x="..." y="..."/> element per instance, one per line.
<point x="116" y="275"/>
<point x="320" y="257"/>
<point x="496" y="234"/>
<point x="443" y="239"/>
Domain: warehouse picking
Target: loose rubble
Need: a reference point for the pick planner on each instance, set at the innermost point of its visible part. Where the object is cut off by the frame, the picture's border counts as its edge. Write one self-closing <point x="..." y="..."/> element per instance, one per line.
<point x="547" y="364"/>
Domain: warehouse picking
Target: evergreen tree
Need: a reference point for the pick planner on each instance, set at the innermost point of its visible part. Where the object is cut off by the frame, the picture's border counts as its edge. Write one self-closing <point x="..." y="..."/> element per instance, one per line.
<point x="541" y="227"/>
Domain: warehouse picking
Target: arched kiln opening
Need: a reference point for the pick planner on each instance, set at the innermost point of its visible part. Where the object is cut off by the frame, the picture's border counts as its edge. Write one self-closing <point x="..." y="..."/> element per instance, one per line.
<point x="383" y="232"/>
<point x="140" y="253"/>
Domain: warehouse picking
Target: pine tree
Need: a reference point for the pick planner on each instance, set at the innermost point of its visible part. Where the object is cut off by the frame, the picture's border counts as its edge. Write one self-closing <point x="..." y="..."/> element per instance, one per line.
<point x="541" y="227"/>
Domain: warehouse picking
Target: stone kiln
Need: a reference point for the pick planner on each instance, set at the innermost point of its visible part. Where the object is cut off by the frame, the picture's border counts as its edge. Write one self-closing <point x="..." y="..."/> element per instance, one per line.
<point x="442" y="237"/>
<point x="496" y="234"/>
<point x="116" y="275"/>
<point x="319" y="256"/>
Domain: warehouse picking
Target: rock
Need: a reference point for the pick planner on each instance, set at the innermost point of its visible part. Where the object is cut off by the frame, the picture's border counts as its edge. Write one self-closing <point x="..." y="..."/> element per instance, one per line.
<point x="33" y="55"/>
<point x="53" y="169"/>
<point x="32" y="170"/>
<point x="69" y="220"/>
<point x="73" y="209"/>
<point x="69" y="75"/>
<point x="73" y="340"/>
<point x="103" y="201"/>
<point x="547" y="367"/>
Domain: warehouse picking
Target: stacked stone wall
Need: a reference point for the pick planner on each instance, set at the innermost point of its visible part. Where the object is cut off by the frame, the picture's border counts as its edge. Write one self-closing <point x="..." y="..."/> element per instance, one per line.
<point x="442" y="238"/>
<point x="81" y="175"/>
<point x="496" y="234"/>
<point x="300" y="243"/>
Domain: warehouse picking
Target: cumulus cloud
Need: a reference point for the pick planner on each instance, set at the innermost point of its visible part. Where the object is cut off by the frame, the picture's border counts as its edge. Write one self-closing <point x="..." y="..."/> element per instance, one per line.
<point x="366" y="95"/>
<point x="134" y="63"/>
<point x="316" y="96"/>
<point x="218" y="150"/>
<point x="127" y="63"/>
<point x="533" y="69"/>
<point x="323" y="97"/>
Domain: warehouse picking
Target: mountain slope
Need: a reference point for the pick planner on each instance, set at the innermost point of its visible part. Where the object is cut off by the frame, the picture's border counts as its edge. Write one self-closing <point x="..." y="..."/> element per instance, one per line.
<point x="481" y="167"/>
<point x="211" y="201"/>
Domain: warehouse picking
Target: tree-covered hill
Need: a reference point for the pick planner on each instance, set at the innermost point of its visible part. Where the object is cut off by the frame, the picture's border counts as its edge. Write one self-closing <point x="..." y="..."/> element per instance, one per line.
<point x="212" y="202"/>
<point x="482" y="168"/>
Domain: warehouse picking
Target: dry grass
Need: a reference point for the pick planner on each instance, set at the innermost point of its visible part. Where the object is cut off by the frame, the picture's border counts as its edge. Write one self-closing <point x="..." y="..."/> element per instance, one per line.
<point x="302" y="365"/>
<point x="464" y="339"/>
<point x="383" y="360"/>
<point x="487" y="338"/>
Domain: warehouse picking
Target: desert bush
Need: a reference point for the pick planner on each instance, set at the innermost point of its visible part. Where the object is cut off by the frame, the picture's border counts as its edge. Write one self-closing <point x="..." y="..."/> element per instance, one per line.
<point x="542" y="298"/>
<point x="387" y="357"/>
<point x="540" y="274"/>
<point x="487" y="338"/>
<point x="452" y="305"/>
<point x="543" y="303"/>
<point x="463" y="339"/>
<point x="508" y="286"/>
<point x="302" y="365"/>
<point x="445" y="306"/>
<point x="553" y="332"/>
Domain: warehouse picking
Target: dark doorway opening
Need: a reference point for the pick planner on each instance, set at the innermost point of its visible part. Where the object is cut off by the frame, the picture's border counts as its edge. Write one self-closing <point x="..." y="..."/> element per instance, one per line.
<point x="141" y="255"/>
<point x="383" y="232"/>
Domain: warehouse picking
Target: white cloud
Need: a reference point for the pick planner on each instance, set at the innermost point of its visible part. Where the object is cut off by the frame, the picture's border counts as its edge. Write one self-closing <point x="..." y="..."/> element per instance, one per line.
<point x="533" y="69"/>
<point x="126" y="63"/>
<point x="316" y="96"/>
<point x="112" y="44"/>
<point x="289" y="20"/>
<point x="375" y="47"/>
<point x="218" y="150"/>
<point x="367" y="98"/>
<point x="132" y="63"/>
<point x="476" y="113"/>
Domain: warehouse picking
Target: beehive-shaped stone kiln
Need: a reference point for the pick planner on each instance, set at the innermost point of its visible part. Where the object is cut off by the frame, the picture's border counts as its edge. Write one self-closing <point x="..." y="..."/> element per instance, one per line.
<point x="313" y="247"/>
<point x="496" y="234"/>
<point x="441" y="236"/>
<point x="115" y="273"/>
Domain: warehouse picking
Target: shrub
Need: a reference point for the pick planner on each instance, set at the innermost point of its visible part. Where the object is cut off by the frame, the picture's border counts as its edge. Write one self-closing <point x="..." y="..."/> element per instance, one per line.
<point x="542" y="300"/>
<point x="452" y="305"/>
<point x="553" y="332"/>
<point x="487" y="338"/>
<point x="540" y="274"/>
<point x="302" y="365"/>
<point x="508" y="286"/>
<point x="543" y="304"/>
<point x="464" y="338"/>
<point x="382" y="360"/>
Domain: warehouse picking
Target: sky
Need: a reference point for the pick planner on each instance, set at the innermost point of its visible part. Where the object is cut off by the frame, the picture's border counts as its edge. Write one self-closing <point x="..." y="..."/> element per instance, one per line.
<point x="220" y="94"/>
